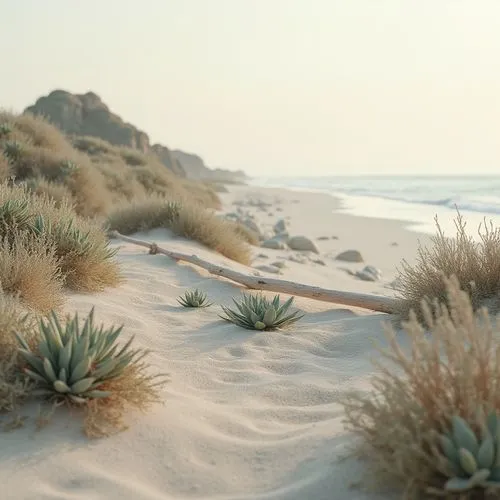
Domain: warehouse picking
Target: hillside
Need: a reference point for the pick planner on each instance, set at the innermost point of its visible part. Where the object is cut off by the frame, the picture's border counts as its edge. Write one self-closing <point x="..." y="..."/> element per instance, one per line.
<point x="92" y="173"/>
<point x="87" y="115"/>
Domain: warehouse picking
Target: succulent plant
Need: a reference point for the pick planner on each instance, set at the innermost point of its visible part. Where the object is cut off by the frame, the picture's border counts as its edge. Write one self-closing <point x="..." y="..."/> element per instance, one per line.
<point x="15" y="213"/>
<point x="74" y="363"/>
<point x="256" y="312"/>
<point x="12" y="150"/>
<point x="195" y="298"/>
<point x="475" y="462"/>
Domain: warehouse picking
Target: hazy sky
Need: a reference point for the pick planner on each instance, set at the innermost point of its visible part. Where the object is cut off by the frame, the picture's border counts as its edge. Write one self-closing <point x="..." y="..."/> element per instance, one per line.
<point x="293" y="87"/>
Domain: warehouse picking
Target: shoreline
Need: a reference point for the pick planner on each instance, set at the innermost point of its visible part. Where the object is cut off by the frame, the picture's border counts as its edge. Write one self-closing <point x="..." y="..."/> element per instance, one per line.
<point x="419" y="216"/>
<point x="383" y="243"/>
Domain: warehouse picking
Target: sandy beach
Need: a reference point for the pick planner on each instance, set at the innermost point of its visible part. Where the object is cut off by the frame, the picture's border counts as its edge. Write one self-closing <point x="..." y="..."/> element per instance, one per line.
<point x="247" y="415"/>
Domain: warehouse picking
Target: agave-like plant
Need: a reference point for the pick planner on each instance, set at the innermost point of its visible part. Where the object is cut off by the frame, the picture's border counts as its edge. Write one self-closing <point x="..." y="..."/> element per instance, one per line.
<point x="196" y="298"/>
<point x="16" y="214"/>
<point x="474" y="462"/>
<point x="74" y="363"/>
<point x="256" y="312"/>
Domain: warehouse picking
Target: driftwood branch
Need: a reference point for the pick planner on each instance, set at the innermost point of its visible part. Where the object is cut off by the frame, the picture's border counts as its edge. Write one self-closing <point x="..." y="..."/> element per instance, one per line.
<point x="372" y="302"/>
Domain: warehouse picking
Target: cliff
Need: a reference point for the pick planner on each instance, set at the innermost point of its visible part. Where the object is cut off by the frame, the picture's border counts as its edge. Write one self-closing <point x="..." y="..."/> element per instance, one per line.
<point x="87" y="115"/>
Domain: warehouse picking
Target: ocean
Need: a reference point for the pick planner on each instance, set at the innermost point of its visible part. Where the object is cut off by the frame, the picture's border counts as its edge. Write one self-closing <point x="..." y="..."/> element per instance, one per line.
<point x="415" y="200"/>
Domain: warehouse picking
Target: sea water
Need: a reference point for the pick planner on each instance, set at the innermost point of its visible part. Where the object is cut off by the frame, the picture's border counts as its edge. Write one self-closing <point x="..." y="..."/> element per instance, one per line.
<point x="415" y="200"/>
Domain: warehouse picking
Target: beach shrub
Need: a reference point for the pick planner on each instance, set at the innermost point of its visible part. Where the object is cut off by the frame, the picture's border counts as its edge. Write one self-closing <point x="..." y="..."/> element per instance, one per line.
<point x="196" y="298"/>
<point x="84" y="365"/>
<point x="256" y="312"/>
<point x="189" y="220"/>
<point x="14" y="387"/>
<point x="433" y="403"/>
<point x="247" y="234"/>
<point x="77" y="246"/>
<point x="30" y="271"/>
<point x="476" y="265"/>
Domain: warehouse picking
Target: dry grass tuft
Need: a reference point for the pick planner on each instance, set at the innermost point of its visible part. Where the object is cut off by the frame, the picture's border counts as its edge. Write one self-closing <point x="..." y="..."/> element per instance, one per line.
<point x="189" y="221"/>
<point x="135" y="388"/>
<point x="58" y="193"/>
<point x="195" y="223"/>
<point x="251" y="237"/>
<point x="452" y="368"/>
<point x="13" y="387"/>
<point x="29" y="270"/>
<point x="475" y="264"/>
<point x="143" y="214"/>
<point x="80" y="244"/>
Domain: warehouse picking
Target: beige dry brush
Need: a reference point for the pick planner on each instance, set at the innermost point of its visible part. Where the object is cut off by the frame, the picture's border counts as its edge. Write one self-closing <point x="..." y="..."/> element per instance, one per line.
<point x="476" y="265"/>
<point x="452" y="368"/>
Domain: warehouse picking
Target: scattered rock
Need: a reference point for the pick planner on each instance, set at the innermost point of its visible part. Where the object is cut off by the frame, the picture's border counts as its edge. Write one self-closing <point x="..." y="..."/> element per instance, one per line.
<point x="280" y="264"/>
<point x="282" y="236"/>
<point x="279" y="209"/>
<point x="323" y="238"/>
<point x="319" y="261"/>
<point x="350" y="256"/>
<point x="280" y="226"/>
<point x="394" y="244"/>
<point x="252" y="225"/>
<point x="302" y="243"/>
<point x="335" y="237"/>
<point x="268" y="269"/>
<point x="369" y="273"/>
<point x="395" y="284"/>
<point x="273" y="244"/>
<point x="262" y="256"/>
<point x="300" y="259"/>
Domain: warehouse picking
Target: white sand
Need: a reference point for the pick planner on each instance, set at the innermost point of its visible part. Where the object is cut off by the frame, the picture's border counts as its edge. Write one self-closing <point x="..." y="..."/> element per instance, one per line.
<point x="247" y="415"/>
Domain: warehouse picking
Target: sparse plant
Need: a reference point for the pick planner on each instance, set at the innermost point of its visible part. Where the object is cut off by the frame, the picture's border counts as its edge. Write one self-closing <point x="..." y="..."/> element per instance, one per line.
<point x="256" y="312"/>
<point x="476" y="265"/>
<point x="75" y="363"/>
<point x="30" y="271"/>
<point x="419" y="426"/>
<point x="13" y="386"/>
<point x="189" y="220"/>
<point x="196" y="298"/>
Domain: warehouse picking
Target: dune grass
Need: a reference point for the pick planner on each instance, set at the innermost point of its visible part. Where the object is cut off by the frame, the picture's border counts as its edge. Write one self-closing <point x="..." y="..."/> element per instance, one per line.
<point x="95" y="173"/>
<point x="476" y="265"/>
<point x="13" y="387"/>
<point x="451" y="369"/>
<point x="190" y="221"/>
<point x="30" y="271"/>
<point x="47" y="245"/>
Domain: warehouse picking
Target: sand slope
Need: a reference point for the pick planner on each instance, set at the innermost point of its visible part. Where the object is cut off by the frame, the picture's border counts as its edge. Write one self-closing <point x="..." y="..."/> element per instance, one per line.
<point x="247" y="415"/>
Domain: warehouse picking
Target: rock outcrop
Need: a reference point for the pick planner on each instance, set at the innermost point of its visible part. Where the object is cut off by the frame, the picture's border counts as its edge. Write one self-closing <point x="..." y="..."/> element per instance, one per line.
<point x="87" y="115"/>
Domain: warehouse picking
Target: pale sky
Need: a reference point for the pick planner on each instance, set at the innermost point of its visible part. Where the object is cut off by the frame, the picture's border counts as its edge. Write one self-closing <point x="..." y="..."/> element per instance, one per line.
<point x="290" y="87"/>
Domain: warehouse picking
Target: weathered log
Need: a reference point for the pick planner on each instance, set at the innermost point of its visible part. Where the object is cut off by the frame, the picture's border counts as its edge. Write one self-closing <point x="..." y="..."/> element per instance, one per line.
<point x="365" y="301"/>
